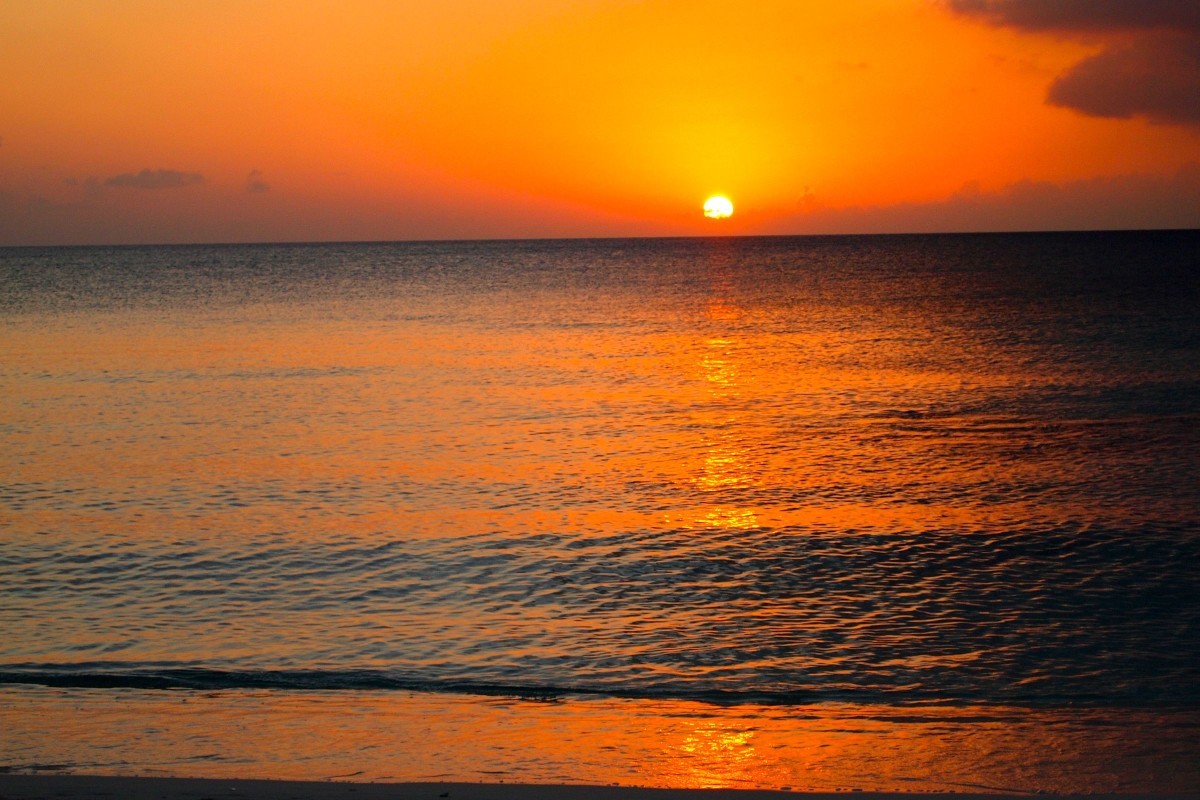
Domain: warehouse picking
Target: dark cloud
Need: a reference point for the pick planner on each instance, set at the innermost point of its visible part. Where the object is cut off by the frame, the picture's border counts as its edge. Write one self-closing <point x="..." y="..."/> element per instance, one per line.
<point x="1150" y="65"/>
<point x="1084" y="15"/>
<point x="1156" y="76"/>
<point x="255" y="182"/>
<point x="155" y="179"/>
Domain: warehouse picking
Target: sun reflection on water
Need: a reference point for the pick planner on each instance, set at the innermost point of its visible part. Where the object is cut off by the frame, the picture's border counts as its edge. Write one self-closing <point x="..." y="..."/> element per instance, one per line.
<point x="723" y="467"/>
<point x="720" y="757"/>
<point x="720" y="370"/>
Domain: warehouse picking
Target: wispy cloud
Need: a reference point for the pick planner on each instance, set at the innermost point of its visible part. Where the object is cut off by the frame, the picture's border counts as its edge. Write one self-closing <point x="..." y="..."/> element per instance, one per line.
<point x="1150" y="64"/>
<point x="155" y="179"/>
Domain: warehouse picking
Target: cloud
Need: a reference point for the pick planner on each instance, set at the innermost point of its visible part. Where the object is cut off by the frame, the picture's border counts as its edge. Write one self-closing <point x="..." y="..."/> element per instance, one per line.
<point x="255" y="182"/>
<point x="1106" y="203"/>
<point x="1150" y="64"/>
<point x="1084" y="15"/>
<point x="1157" y="77"/>
<point x="155" y="179"/>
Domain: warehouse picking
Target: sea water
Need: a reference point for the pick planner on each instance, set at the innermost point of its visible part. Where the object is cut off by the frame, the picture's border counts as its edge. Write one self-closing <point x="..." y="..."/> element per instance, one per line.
<point x="551" y="510"/>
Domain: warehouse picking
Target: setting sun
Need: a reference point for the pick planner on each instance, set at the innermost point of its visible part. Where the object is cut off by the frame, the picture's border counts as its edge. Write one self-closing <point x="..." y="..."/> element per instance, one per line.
<point x="718" y="207"/>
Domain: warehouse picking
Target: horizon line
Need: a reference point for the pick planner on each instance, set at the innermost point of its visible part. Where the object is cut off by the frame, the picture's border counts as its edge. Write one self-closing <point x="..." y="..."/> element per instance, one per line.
<point x="671" y="237"/>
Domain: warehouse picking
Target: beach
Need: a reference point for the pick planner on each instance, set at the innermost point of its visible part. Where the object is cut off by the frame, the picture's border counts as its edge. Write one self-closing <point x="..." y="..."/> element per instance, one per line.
<point x="82" y="787"/>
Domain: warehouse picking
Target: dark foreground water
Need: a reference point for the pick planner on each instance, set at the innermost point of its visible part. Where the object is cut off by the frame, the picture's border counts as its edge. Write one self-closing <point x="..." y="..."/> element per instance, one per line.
<point x="773" y="479"/>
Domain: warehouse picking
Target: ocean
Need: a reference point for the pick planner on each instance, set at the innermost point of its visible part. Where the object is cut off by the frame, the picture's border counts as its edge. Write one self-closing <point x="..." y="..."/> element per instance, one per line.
<point x="818" y="512"/>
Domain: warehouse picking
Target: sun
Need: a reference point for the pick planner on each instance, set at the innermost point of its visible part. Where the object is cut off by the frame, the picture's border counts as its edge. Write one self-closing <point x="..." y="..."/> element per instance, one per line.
<point x="718" y="207"/>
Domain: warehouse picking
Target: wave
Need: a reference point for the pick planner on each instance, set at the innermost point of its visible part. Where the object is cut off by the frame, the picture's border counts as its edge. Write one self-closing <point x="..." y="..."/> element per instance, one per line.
<point x="339" y="680"/>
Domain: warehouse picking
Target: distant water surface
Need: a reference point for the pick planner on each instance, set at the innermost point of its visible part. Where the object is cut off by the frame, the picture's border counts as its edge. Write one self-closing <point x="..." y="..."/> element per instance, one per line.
<point x="874" y="470"/>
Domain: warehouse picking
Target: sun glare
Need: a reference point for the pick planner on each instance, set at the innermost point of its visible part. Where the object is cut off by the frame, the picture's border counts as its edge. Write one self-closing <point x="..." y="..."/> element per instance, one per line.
<point x="718" y="207"/>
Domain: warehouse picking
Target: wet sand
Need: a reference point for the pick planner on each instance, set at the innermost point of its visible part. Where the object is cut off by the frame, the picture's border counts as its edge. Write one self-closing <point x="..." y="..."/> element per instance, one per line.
<point x="50" y="787"/>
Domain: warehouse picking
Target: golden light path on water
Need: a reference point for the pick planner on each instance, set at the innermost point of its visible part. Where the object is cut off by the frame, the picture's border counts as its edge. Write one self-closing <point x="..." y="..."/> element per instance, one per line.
<point x="724" y="458"/>
<point x="402" y="736"/>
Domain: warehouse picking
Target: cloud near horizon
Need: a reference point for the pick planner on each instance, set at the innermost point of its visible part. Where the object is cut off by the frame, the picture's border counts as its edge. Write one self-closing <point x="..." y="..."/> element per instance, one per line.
<point x="255" y="182"/>
<point x="1150" y="64"/>
<point x="91" y="215"/>
<point x="1171" y="201"/>
<point x="155" y="179"/>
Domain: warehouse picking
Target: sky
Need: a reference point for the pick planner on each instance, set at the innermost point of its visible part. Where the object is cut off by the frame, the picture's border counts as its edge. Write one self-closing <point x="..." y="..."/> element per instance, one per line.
<point x="142" y="121"/>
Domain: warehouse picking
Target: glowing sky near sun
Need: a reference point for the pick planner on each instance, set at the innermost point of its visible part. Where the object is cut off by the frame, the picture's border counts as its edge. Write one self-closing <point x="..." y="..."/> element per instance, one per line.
<point x="137" y="120"/>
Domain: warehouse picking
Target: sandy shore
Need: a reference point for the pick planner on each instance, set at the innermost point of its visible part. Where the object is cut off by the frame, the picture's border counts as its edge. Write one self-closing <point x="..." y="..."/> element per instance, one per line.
<point x="53" y="787"/>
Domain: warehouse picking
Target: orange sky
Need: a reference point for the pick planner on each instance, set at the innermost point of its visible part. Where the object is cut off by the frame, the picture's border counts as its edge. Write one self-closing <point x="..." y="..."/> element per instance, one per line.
<point x="268" y="120"/>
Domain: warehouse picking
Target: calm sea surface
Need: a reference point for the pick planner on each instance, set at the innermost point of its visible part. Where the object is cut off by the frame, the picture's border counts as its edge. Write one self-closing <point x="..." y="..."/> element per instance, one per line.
<point x="851" y="475"/>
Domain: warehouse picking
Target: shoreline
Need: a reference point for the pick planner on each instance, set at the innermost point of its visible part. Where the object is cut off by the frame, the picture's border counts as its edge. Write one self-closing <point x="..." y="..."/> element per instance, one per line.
<point x="373" y="738"/>
<point x="18" y="786"/>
